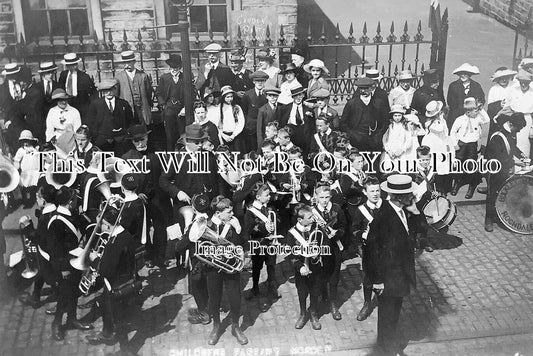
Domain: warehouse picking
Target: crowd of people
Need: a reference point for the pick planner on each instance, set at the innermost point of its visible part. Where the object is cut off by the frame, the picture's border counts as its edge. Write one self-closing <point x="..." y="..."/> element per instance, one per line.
<point x="380" y="216"/>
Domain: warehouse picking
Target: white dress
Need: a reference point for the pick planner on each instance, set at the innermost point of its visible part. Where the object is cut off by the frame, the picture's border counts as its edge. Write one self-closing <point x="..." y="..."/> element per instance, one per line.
<point x="438" y="140"/>
<point x="398" y="144"/>
<point x="522" y="102"/>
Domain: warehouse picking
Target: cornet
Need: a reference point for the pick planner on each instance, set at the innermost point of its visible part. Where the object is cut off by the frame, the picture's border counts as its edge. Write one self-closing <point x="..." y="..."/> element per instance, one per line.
<point x="316" y="238"/>
<point x="29" y="249"/>
<point x="273" y="221"/>
<point x="295" y="183"/>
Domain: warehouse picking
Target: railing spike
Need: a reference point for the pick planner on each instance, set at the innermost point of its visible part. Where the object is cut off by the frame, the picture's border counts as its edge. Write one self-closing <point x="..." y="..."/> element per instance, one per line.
<point x="337" y="33"/>
<point x="392" y="36"/>
<point x="139" y="35"/>
<point x="254" y="36"/>
<point x="419" y="37"/>
<point x="350" y="33"/>
<point x="281" y="39"/>
<point x="309" y="38"/>
<point x="210" y="31"/>
<point x="405" y="37"/>
<point x="378" y="38"/>
<point x="323" y="34"/>
<point x="364" y="38"/>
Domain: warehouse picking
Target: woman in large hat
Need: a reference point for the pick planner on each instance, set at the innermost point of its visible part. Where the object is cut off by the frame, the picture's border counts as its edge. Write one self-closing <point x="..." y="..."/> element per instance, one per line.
<point x="62" y="117"/>
<point x="464" y="87"/>
<point x="318" y="71"/>
<point x="289" y="82"/>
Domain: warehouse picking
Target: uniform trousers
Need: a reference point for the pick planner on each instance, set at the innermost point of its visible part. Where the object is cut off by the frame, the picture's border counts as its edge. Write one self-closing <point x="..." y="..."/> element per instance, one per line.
<point x="467" y="151"/>
<point x="258" y="261"/>
<point x="68" y="293"/>
<point x="215" y="284"/>
<point x="174" y="125"/>
<point x="198" y="285"/>
<point x="388" y="315"/>
<point x="308" y="286"/>
<point x="333" y="273"/>
<point x="495" y="182"/>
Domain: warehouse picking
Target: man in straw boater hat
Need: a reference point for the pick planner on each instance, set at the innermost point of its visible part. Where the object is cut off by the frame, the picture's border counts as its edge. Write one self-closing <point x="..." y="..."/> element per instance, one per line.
<point x="33" y="103"/>
<point x="376" y="90"/>
<point x="391" y="260"/>
<point x="10" y="102"/>
<point x="170" y="98"/>
<point x="48" y="84"/>
<point x="214" y="74"/>
<point x="109" y="117"/>
<point x="77" y="84"/>
<point x="464" y="87"/>
<point x="135" y="86"/>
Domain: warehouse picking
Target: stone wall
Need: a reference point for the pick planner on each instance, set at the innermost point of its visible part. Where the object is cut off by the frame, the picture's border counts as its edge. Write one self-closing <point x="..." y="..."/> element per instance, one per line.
<point x="510" y="12"/>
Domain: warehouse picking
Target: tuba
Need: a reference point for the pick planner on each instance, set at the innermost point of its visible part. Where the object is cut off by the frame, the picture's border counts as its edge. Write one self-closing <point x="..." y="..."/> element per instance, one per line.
<point x="112" y="174"/>
<point x="59" y="179"/>
<point x="208" y="240"/>
<point x="82" y="262"/>
<point x="9" y="175"/>
<point x="29" y="249"/>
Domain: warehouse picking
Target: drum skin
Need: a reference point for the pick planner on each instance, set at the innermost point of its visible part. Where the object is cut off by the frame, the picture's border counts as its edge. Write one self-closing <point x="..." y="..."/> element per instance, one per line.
<point x="514" y="204"/>
<point x="440" y="213"/>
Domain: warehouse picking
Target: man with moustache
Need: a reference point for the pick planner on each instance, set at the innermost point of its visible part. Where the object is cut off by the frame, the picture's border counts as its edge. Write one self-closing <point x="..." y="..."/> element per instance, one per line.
<point x="215" y="74"/>
<point x="77" y="84"/>
<point x="48" y="84"/>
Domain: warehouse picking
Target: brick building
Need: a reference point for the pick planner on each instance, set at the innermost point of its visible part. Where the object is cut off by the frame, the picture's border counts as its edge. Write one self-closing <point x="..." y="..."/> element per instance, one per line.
<point x="513" y="13"/>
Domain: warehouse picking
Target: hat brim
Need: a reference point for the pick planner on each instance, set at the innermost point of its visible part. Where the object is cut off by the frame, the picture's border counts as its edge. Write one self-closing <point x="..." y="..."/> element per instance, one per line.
<point x="66" y="97"/>
<point x="308" y="67"/>
<point x="28" y="139"/>
<point x="299" y="92"/>
<point x="379" y="77"/>
<point x="405" y="79"/>
<point x="4" y="72"/>
<point x="130" y="137"/>
<point x="173" y="64"/>
<point x="126" y="60"/>
<point x="272" y="92"/>
<point x="69" y="62"/>
<point x="412" y="189"/>
<point x="190" y="138"/>
<point x="458" y="72"/>
<point x="501" y="76"/>
<point x="440" y="105"/>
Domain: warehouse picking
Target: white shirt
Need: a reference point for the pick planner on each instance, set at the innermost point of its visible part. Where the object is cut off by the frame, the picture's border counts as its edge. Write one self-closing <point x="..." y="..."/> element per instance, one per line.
<point x="374" y="206"/>
<point x="112" y="101"/>
<point x="285" y="96"/>
<point x="228" y="123"/>
<point x="292" y="116"/>
<point x="461" y="130"/>
<point x="74" y="82"/>
<point x="45" y="86"/>
<point x="398" y="96"/>
<point x="14" y="89"/>
<point x="401" y="214"/>
<point x="131" y="74"/>
<point x="325" y="208"/>
<point x="519" y="101"/>
<point x="497" y="93"/>
<point x="70" y="117"/>
<point x="366" y="99"/>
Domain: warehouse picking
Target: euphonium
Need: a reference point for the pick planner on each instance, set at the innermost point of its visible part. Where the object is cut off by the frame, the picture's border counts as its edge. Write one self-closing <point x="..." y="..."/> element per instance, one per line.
<point x="29" y="249"/>
<point x="59" y="179"/>
<point x="207" y="239"/>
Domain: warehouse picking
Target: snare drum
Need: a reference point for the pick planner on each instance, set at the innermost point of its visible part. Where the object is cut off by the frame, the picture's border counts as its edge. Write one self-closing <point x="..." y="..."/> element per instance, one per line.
<point x="514" y="204"/>
<point x="440" y="213"/>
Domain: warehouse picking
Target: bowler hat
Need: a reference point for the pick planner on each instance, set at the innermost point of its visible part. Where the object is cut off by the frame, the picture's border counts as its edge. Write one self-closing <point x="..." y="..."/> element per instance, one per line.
<point x="399" y="184"/>
<point x="137" y="131"/>
<point x="195" y="132"/>
<point x="174" y="61"/>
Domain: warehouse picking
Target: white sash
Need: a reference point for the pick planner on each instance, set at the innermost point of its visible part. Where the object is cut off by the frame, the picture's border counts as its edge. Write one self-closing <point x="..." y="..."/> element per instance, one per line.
<point x="43" y="253"/>
<point x="299" y="237"/>
<point x="67" y="223"/>
<point x="364" y="210"/>
<point x="319" y="217"/>
<point x="319" y="142"/>
<point x="86" y="193"/>
<point x="259" y="214"/>
<point x="505" y="141"/>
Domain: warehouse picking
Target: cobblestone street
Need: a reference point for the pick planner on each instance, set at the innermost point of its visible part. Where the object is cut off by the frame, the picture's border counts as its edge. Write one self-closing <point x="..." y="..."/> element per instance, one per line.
<point x="474" y="296"/>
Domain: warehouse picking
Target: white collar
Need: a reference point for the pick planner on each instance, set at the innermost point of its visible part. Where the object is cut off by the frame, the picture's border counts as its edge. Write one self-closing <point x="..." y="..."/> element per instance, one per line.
<point x="62" y="210"/>
<point x="216" y="220"/>
<point x="328" y="207"/>
<point x="112" y="99"/>
<point x="256" y="204"/>
<point x="117" y="231"/>
<point x="395" y="207"/>
<point x="374" y="206"/>
<point x="67" y="108"/>
<point x="327" y="133"/>
<point x="130" y="197"/>
<point x="200" y="215"/>
<point x="301" y="228"/>
<point x="48" y="208"/>
<point x="288" y="147"/>
<point x="88" y="147"/>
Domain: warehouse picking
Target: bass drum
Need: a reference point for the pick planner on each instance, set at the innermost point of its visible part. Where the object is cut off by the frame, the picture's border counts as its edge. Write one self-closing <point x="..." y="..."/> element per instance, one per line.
<point x="440" y="213"/>
<point x="514" y="204"/>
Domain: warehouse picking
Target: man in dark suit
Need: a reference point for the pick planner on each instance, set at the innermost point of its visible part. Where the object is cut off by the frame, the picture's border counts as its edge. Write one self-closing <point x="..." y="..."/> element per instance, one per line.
<point x="429" y="91"/>
<point x="267" y="113"/>
<point x="32" y="104"/>
<point x="294" y="116"/>
<point x="77" y="84"/>
<point x="108" y="118"/>
<point x="170" y="100"/>
<point x="376" y="90"/>
<point x="365" y="117"/>
<point x="322" y="107"/>
<point x="391" y="265"/>
<point x="215" y="74"/>
<point x="463" y="88"/>
<point x="241" y="81"/>
<point x="11" y="105"/>
<point x="324" y="139"/>
<point x="48" y="84"/>
<point x="252" y="100"/>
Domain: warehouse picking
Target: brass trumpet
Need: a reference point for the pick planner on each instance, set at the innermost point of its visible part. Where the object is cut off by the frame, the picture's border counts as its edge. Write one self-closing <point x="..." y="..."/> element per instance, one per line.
<point x="273" y="221"/>
<point x="296" y="193"/>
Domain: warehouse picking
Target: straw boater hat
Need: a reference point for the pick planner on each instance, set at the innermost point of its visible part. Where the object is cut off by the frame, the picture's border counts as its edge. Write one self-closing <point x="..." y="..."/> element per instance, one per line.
<point x="373" y="74"/>
<point x="399" y="184"/>
<point x="46" y="67"/>
<point x="466" y="68"/>
<point x="11" y="68"/>
<point x="70" y="58"/>
<point x="433" y="108"/>
<point x="297" y="91"/>
<point x="126" y="56"/>
<point x="502" y="73"/>
<point x="316" y="63"/>
<point x="405" y="75"/>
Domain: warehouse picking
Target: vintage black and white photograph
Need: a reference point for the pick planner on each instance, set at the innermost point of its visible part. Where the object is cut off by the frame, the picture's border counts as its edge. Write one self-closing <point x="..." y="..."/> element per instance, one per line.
<point x="266" y="177"/>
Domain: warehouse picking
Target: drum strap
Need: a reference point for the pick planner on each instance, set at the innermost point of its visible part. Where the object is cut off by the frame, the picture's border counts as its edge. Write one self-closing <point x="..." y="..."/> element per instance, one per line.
<point x="505" y="141"/>
<point x="86" y="193"/>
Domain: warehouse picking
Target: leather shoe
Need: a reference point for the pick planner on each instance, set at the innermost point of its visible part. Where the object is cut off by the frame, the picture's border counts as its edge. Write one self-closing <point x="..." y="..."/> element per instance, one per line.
<point x="237" y="332"/>
<point x="300" y="323"/>
<point x="214" y="336"/>
<point x="470" y="192"/>
<point x="455" y="189"/>
<point x="58" y="334"/>
<point x="482" y="190"/>
<point x="51" y="311"/>
<point x="76" y="324"/>
<point x="101" y="338"/>
<point x="365" y="311"/>
<point x="314" y="321"/>
<point x="488" y="225"/>
<point x="335" y="313"/>
<point x="201" y="318"/>
<point x="31" y="300"/>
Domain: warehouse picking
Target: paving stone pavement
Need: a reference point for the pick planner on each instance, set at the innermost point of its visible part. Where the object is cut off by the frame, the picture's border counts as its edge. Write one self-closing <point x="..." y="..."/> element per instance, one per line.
<point x="474" y="293"/>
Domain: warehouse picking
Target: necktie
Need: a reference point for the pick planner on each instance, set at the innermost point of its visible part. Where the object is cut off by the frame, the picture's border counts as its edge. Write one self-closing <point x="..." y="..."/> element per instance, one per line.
<point x="260" y="92"/>
<point x="264" y="210"/>
<point x="323" y="138"/>
<point x="298" y="116"/>
<point x="48" y="88"/>
<point x="110" y="105"/>
<point x="404" y="220"/>
<point x="18" y="91"/>
<point x="69" y="84"/>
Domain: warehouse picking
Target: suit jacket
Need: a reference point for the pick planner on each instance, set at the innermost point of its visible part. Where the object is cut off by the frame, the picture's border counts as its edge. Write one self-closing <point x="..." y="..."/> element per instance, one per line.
<point x="392" y="260"/>
<point x="106" y="125"/>
<point x="241" y="81"/>
<point x="125" y="91"/>
<point x="320" y="84"/>
<point x="33" y="107"/>
<point x="164" y="87"/>
<point x="61" y="240"/>
<point x="330" y="144"/>
<point x="308" y="126"/>
<point x="86" y="89"/>
<point x="216" y="78"/>
<point x="265" y="115"/>
<point x="48" y="102"/>
<point x="422" y="96"/>
<point x="457" y="96"/>
<point x="250" y="107"/>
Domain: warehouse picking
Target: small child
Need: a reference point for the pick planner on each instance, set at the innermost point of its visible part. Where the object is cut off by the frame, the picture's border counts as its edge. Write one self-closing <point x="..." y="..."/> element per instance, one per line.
<point x="27" y="162"/>
<point x="271" y="131"/>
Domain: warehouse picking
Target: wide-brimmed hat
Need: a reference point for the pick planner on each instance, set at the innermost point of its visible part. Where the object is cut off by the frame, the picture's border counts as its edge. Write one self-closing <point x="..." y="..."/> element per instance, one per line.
<point x="259" y="75"/>
<point x="270" y="89"/>
<point x="59" y="93"/>
<point x="46" y="67"/>
<point x="126" y="56"/>
<point x="174" y="61"/>
<point x="213" y="48"/>
<point x="225" y="90"/>
<point x="70" y="58"/>
<point x="405" y="75"/>
<point x="289" y="67"/>
<point x="195" y="132"/>
<point x="433" y="108"/>
<point x="502" y="73"/>
<point x="431" y="76"/>
<point x="397" y="109"/>
<point x="321" y="93"/>
<point x="316" y="63"/>
<point x="373" y="74"/>
<point x="466" y="68"/>
<point x="300" y="48"/>
<point x="10" y="69"/>
<point x="470" y="103"/>
<point x="364" y="82"/>
<point x="107" y="84"/>
<point x="524" y="76"/>
<point x="297" y="91"/>
<point x="26" y="135"/>
<point x="137" y="131"/>
<point x="237" y="56"/>
<point x="399" y="184"/>
<point x="526" y="62"/>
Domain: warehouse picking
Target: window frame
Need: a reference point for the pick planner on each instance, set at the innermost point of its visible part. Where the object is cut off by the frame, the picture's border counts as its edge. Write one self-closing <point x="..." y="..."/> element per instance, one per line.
<point x="203" y="34"/>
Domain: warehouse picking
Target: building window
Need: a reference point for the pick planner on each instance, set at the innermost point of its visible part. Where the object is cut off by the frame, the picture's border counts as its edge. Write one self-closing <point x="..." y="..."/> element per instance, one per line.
<point x="56" y="17"/>
<point x="204" y="15"/>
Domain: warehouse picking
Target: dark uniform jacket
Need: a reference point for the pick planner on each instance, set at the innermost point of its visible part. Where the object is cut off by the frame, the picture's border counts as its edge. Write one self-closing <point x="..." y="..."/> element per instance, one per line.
<point x="116" y="263"/>
<point x="250" y="107"/>
<point x="316" y="265"/>
<point x="254" y="228"/>
<point x="62" y="239"/>
<point x="265" y="115"/>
